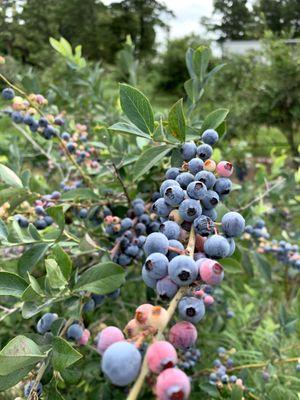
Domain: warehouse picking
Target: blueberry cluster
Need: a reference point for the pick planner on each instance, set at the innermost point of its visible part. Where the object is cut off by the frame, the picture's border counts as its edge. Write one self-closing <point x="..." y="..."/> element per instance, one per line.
<point x="222" y="365"/>
<point x="24" y="111"/>
<point x="189" y="358"/>
<point x="285" y="252"/>
<point x="130" y="232"/>
<point x="188" y="198"/>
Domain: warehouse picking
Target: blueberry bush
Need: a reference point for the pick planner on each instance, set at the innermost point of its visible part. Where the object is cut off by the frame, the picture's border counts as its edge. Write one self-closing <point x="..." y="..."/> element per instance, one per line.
<point x="136" y="262"/>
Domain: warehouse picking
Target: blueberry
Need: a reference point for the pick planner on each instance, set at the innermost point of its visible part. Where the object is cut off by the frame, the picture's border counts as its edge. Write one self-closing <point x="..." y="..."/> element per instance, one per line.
<point x="74" y="332"/>
<point x="170" y="229"/>
<point x="217" y="363"/>
<point x="204" y="151"/>
<point x="223" y="186"/>
<point x="216" y="246"/>
<point x="49" y="220"/>
<point x="173" y="195"/>
<point x="145" y="219"/>
<point x="44" y="323"/>
<point x="138" y="201"/>
<point x="56" y="195"/>
<point x="98" y="299"/>
<point x="298" y="367"/>
<point x="161" y="208"/>
<point x="166" y="288"/>
<point x="39" y="210"/>
<point x="59" y="121"/>
<point x="172" y="173"/>
<point x="224" y="378"/>
<point x="212" y="214"/>
<point x="40" y="224"/>
<point x="8" y="94"/>
<point x="89" y="306"/>
<point x="49" y="132"/>
<point x="150" y="282"/>
<point x="132" y="250"/>
<point x="233" y="224"/>
<point x="22" y="221"/>
<point x="83" y="213"/>
<point x="195" y="165"/>
<point x="184" y="179"/>
<point x="71" y="147"/>
<point x="124" y="260"/>
<point x="188" y="151"/>
<point x="65" y="136"/>
<point x="141" y="240"/>
<point x="196" y="190"/>
<point x="229" y="363"/>
<point x="206" y="177"/>
<point x="140" y="229"/>
<point x="155" y="196"/>
<point x="28" y="387"/>
<point x="17" y="117"/>
<point x="183" y="270"/>
<point x="210" y="136"/>
<point x="213" y="377"/>
<point x="28" y="120"/>
<point x="156" y="242"/>
<point x="210" y="200"/>
<point x="115" y="294"/>
<point x="231" y="246"/>
<point x="260" y="223"/>
<point x="121" y="363"/>
<point x="167" y="183"/>
<point x="157" y="265"/>
<point x="204" y="226"/>
<point x="43" y="122"/>
<point x="189" y="209"/>
<point x="139" y="209"/>
<point x="174" y="243"/>
<point x="232" y="379"/>
<point x="34" y="126"/>
<point x="191" y="309"/>
<point x="153" y="227"/>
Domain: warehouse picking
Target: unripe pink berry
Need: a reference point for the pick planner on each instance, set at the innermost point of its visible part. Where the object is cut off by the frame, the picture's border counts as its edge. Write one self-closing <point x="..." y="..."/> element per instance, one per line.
<point x="208" y="300"/>
<point x="158" y="318"/>
<point x="210" y="271"/>
<point x="132" y="329"/>
<point x="224" y="168"/>
<point x="172" y="384"/>
<point x="142" y="314"/>
<point x="161" y="355"/>
<point x="199" y="293"/>
<point x="108" y="336"/>
<point x="85" y="337"/>
<point x="183" y="335"/>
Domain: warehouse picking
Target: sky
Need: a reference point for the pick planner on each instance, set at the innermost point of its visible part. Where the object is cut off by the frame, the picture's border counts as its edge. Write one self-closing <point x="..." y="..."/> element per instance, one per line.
<point x="187" y="16"/>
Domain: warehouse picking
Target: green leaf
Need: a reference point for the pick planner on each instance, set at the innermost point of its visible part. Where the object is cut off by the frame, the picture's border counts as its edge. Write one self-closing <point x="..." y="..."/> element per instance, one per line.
<point x="263" y="265"/>
<point x="29" y="309"/>
<point x="231" y="265"/>
<point x="13" y="378"/>
<point x="31" y="257"/>
<point x="20" y="352"/>
<point x="200" y="61"/>
<point x="103" y="278"/>
<point x="14" y="196"/>
<point x="176" y="121"/>
<point x="189" y="62"/>
<point x="130" y="129"/>
<point x="35" y="285"/>
<point x="34" y="232"/>
<point x="57" y="213"/>
<point x="9" y="177"/>
<point x="214" y="119"/>
<point x="137" y="108"/>
<point x="64" y="354"/>
<point x="79" y="194"/>
<point x="149" y="158"/>
<point x="3" y="230"/>
<point x="63" y="260"/>
<point x="11" y="284"/>
<point x="247" y="263"/>
<point x="55" y="276"/>
<point x="236" y="393"/>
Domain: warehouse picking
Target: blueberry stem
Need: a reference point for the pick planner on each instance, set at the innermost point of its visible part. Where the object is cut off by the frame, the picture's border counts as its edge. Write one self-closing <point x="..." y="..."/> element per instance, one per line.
<point x="122" y="183"/>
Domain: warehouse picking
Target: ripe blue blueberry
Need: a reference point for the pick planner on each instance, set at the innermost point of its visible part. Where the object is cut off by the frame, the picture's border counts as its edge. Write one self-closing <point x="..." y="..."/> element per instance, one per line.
<point x="140" y="229"/>
<point x="71" y="147"/>
<point x="139" y="209"/>
<point x="206" y="177"/>
<point x="39" y="210"/>
<point x="196" y="190"/>
<point x="126" y="224"/>
<point x="89" y="306"/>
<point x="174" y="243"/>
<point x="166" y="288"/>
<point x="161" y="208"/>
<point x="170" y="229"/>
<point x="8" y="94"/>
<point x="49" y="220"/>
<point x="183" y="270"/>
<point x="45" y="322"/>
<point x="74" y="332"/>
<point x="233" y="224"/>
<point x="28" y="120"/>
<point x="203" y="225"/>
<point x="216" y="246"/>
<point x="223" y="186"/>
<point x="172" y="173"/>
<point x="40" y="224"/>
<point x="59" y="121"/>
<point x="191" y="309"/>
<point x="184" y="179"/>
<point x="167" y="183"/>
<point x="174" y="195"/>
<point x="210" y="136"/>
<point x="17" y="117"/>
<point x="145" y="219"/>
<point x="150" y="282"/>
<point x="188" y="151"/>
<point x="98" y="299"/>
<point x="132" y="250"/>
<point x="124" y="260"/>
<point x="83" y="213"/>
<point x="212" y="213"/>
<point x="157" y="265"/>
<point x="210" y="200"/>
<point x="65" y="136"/>
<point x="34" y="126"/>
<point x="190" y="209"/>
<point x="156" y="242"/>
<point x="22" y="221"/>
<point x="121" y="363"/>
<point x="43" y="122"/>
<point x="55" y="195"/>
<point x="204" y="151"/>
<point x="115" y="294"/>
<point x="195" y="165"/>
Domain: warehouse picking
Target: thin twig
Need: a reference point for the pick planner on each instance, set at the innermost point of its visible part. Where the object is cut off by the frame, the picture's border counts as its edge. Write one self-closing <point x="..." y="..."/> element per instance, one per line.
<point x="122" y="183"/>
